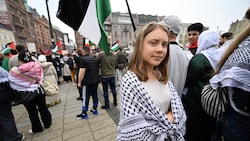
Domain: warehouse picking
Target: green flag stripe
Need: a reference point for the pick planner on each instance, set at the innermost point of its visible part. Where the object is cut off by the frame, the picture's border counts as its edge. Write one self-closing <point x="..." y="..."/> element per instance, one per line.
<point x="103" y="11"/>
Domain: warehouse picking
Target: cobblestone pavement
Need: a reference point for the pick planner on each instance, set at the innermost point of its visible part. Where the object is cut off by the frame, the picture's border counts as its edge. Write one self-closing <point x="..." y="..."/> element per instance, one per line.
<point x="65" y="126"/>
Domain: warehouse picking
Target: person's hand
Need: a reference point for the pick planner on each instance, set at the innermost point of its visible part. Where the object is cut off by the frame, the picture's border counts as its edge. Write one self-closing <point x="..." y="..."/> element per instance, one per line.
<point x="170" y="116"/>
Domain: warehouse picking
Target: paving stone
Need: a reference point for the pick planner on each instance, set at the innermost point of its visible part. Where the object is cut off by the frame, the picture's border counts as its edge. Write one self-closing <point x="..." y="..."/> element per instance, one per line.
<point x="65" y="126"/>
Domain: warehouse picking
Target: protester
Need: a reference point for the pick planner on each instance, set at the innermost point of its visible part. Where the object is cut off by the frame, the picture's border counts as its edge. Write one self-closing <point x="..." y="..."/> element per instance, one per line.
<point x="121" y="66"/>
<point x="177" y="73"/>
<point x="50" y="75"/>
<point x="77" y="57"/>
<point x="108" y="63"/>
<point x="194" y="30"/>
<point x="13" y="61"/>
<point x="66" y="70"/>
<point x="21" y="84"/>
<point x="233" y="72"/>
<point x="58" y="66"/>
<point x="89" y="77"/>
<point x="8" y="129"/>
<point x="200" y="125"/>
<point x="70" y="62"/>
<point x="150" y="106"/>
<point x="225" y="37"/>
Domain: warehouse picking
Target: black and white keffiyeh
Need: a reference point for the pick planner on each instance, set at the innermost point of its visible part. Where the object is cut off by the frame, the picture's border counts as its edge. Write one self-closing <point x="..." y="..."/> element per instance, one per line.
<point x="236" y="70"/>
<point x="141" y="119"/>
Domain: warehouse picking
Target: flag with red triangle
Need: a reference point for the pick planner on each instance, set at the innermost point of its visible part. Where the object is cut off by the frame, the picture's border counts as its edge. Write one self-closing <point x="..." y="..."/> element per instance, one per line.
<point x="58" y="48"/>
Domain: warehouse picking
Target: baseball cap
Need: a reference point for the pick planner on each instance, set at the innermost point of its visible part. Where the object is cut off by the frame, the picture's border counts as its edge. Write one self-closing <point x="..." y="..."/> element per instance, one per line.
<point x="173" y="23"/>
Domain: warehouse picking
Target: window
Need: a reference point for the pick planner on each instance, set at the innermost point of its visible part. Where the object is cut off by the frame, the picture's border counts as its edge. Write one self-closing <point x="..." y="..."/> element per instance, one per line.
<point x="124" y="19"/>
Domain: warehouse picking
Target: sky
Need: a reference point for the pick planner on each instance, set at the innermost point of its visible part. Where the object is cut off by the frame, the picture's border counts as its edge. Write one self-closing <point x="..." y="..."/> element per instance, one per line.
<point x="216" y="14"/>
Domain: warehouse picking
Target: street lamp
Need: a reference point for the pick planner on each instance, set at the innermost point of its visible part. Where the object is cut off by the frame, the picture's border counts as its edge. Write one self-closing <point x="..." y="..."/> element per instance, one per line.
<point x="50" y="26"/>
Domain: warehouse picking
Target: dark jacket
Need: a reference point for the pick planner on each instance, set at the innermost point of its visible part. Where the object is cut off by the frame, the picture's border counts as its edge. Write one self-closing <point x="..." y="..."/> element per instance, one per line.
<point x="92" y="69"/>
<point x="70" y="62"/>
<point x="5" y="94"/>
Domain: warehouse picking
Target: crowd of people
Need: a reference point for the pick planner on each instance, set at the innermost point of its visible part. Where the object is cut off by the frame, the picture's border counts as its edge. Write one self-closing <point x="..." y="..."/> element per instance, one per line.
<point x="161" y="91"/>
<point x="160" y="85"/>
<point x="22" y="74"/>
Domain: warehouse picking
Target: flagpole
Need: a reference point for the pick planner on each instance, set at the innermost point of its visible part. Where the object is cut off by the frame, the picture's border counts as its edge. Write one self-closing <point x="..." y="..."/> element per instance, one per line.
<point x="131" y="18"/>
<point x="50" y="26"/>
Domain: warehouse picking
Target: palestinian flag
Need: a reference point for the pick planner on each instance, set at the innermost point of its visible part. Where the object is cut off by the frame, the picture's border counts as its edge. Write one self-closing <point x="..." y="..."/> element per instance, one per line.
<point x="88" y="42"/>
<point x="8" y="47"/>
<point x="58" y="48"/>
<point x="87" y="17"/>
<point x="11" y="45"/>
<point x="6" y="50"/>
<point x="115" y="46"/>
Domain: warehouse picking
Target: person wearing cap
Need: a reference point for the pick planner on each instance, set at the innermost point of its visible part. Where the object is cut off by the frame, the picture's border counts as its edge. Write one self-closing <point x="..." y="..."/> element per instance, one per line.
<point x="200" y="125"/>
<point x="194" y="30"/>
<point x="177" y="73"/>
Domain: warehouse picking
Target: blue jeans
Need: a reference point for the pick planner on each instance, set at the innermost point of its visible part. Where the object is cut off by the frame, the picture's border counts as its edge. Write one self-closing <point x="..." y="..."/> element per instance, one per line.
<point x="235" y="127"/>
<point x="91" y="90"/>
<point x="111" y="82"/>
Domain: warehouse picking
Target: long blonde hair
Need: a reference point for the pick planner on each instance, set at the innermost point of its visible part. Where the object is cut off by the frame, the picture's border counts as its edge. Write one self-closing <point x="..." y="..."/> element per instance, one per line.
<point x="136" y="63"/>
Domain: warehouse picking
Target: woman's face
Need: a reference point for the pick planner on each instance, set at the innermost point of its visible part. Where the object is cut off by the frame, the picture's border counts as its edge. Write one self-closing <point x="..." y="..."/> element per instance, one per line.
<point x="154" y="47"/>
<point x="193" y="36"/>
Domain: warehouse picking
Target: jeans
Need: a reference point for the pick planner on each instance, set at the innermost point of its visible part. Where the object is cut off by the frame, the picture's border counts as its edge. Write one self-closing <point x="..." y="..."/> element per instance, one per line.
<point x="91" y="90"/>
<point x="105" y="82"/>
<point x="235" y="127"/>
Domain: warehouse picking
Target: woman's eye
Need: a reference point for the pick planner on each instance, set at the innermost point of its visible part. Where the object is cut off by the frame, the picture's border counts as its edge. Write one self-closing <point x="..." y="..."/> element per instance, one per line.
<point x="165" y="45"/>
<point x="153" y="43"/>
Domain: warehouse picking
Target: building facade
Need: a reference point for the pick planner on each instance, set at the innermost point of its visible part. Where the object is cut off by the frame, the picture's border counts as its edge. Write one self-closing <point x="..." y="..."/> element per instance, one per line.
<point x="29" y="28"/>
<point x="6" y="36"/>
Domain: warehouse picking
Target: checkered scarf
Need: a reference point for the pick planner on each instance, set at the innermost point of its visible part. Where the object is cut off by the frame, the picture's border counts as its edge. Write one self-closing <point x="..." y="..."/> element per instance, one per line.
<point x="141" y="119"/>
<point x="236" y="70"/>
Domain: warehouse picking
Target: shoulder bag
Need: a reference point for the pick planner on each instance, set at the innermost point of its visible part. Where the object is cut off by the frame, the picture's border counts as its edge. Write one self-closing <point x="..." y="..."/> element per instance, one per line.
<point x="214" y="101"/>
<point x="50" y="88"/>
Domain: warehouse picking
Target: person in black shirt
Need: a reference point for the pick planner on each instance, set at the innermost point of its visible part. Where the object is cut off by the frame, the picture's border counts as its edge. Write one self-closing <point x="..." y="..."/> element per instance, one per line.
<point x="88" y="76"/>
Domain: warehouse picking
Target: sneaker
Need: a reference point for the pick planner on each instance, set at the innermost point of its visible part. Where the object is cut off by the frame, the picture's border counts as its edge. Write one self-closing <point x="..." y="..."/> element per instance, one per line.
<point x="83" y="116"/>
<point x="115" y="104"/>
<point x="104" y="107"/>
<point x="95" y="112"/>
<point x="78" y="116"/>
<point x="23" y="137"/>
<point x="79" y="98"/>
<point x="30" y="132"/>
<point x="74" y="84"/>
